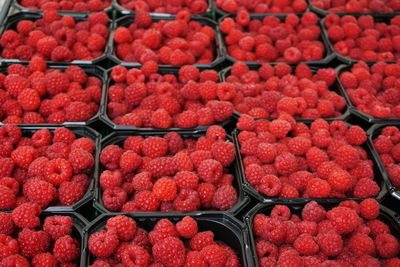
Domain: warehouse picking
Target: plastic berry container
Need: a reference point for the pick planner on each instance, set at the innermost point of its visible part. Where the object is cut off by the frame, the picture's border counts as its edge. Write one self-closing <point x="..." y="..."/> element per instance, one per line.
<point x="374" y="132"/>
<point x="117" y="138"/>
<point x="11" y="21"/>
<point x="16" y="4"/>
<point x="328" y="55"/>
<point x="129" y="19"/>
<point x="323" y="12"/>
<point x="107" y="120"/>
<point x="125" y="11"/>
<point x="225" y="227"/>
<point x="381" y="18"/>
<point x="335" y="88"/>
<point x="251" y="190"/>
<point x="79" y="131"/>
<point x="353" y="109"/>
<point x="91" y="70"/>
<point x="386" y="215"/>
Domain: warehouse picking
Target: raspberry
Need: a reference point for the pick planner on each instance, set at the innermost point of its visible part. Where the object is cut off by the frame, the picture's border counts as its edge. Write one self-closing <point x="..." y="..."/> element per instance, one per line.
<point x="102" y="244"/>
<point x="270" y="185"/>
<point x="40" y="192"/>
<point x="355" y="135"/>
<point x="279" y="128"/>
<point x="114" y="198"/>
<point x="26" y="215"/>
<point x="210" y="170"/>
<point x="206" y="194"/>
<point x="44" y="259"/>
<point x="343" y="219"/>
<point x="7" y="225"/>
<point x="318" y="188"/>
<point x="306" y="245"/>
<point x="369" y="209"/>
<point x="361" y="244"/>
<point x="285" y="163"/>
<point x="81" y="161"/>
<point x="163" y="166"/>
<point x="386" y="245"/>
<point x="9" y="246"/>
<point x="340" y="180"/>
<point x="70" y="193"/>
<point x="66" y="249"/>
<point x="224" y="152"/>
<point x="23" y="156"/>
<point x="187" y="200"/>
<point x="330" y="243"/>
<point x="169" y="251"/>
<point x="58" y="171"/>
<point x="154" y="147"/>
<point x="165" y="189"/>
<point x="125" y="227"/>
<point x="187" y="227"/>
<point x="224" y="197"/>
<point x="147" y="201"/>
<point x="7" y="199"/>
<point x="58" y="226"/>
<point x="33" y="242"/>
<point x="313" y="212"/>
<point x="110" y="156"/>
<point x="214" y="255"/>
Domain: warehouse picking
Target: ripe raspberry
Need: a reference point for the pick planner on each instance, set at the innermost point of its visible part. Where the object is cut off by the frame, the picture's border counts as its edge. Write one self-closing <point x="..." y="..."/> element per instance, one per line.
<point x="169" y="251"/>
<point x="110" y="156"/>
<point x="315" y="157"/>
<point x="81" y="161"/>
<point x="313" y="212"/>
<point x="6" y="224"/>
<point x="78" y="111"/>
<point x="147" y="201"/>
<point x="26" y="215"/>
<point x="165" y="189"/>
<point x="369" y="209"/>
<point x="330" y="243"/>
<point x="366" y="188"/>
<point x="214" y="255"/>
<point x="318" y="188"/>
<point x="163" y="166"/>
<point x="66" y="249"/>
<point x="58" y="171"/>
<point x="201" y="240"/>
<point x="33" y="242"/>
<point x="355" y="135"/>
<point x="206" y="194"/>
<point x="23" y="156"/>
<point x="70" y="193"/>
<point x="279" y="128"/>
<point x="306" y="245"/>
<point x="343" y="219"/>
<point x="187" y="227"/>
<point x="40" y="192"/>
<point x="266" y="152"/>
<point x="224" y="152"/>
<point x="102" y="244"/>
<point x="9" y="246"/>
<point x="340" y="180"/>
<point x="57" y="226"/>
<point x="361" y="244"/>
<point x="154" y="147"/>
<point x="210" y="170"/>
<point x="7" y="198"/>
<point x="44" y="259"/>
<point x="187" y="200"/>
<point x="224" y="197"/>
<point x="125" y="227"/>
<point x="386" y="245"/>
<point x="114" y="198"/>
<point x="285" y="163"/>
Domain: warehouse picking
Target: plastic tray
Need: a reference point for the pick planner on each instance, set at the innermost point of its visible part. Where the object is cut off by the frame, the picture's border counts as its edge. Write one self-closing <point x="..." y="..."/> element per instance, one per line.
<point x="104" y="116"/>
<point x="12" y="20"/>
<point x="5" y="8"/>
<point x="353" y="109"/>
<point x="248" y="188"/>
<point x="125" y="11"/>
<point x="386" y="215"/>
<point x="80" y="132"/>
<point x="127" y="20"/>
<point x="118" y="137"/>
<point x="323" y="12"/>
<point x="223" y="74"/>
<point x="20" y="8"/>
<point x="92" y="70"/>
<point x="225" y="228"/>
<point x="345" y="59"/>
<point x="329" y="55"/>
<point x="374" y="132"/>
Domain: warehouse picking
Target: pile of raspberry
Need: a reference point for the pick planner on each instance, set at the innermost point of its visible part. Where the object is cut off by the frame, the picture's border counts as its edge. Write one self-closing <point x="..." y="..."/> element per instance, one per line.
<point x="358" y="6"/>
<point x="49" y="168"/>
<point x="286" y="159"/>
<point x="124" y="243"/>
<point x="145" y="98"/>
<point x="67" y="5"/>
<point x="33" y="94"/>
<point x="263" y="6"/>
<point x="361" y="38"/>
<point x="273" y="90"/>
<point x="350" y="234"/>
<point x="295" y="39"/>
<point x="166" y="6"/>
<point x="374" y="90"/>
<point x="169" y="42"/>
<point x="169" y="173"/>
<point x="27" y="240"/>
<point x="56" y="38"/>
<point x="387" y="144"/>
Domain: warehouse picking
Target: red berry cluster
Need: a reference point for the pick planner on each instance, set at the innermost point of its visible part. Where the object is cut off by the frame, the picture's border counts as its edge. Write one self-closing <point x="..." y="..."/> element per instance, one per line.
<point x="170" y="42"/>
<point x="166" y="6"/>
<point x="67" y="5"/>
<point x="358" y="6"/>
<point x="26" y="241"/>
<point x="146" y="99"/>
<point x="350" y="234"/>
<point x="263" y="6"/>
<point x="50" y="169"/>
<point x="33" y="94"/>
<point x="274" y="90"/>
<point x="124" y="243"/>
<point x="364" y="39"/>
<point x="387" y="144"/>
<point x="374" y="89"/>
<point x="57" y="38"/>
<point x="271" y="40"/>
<point x="286" y="159"/>
<point x="169" y="173"/>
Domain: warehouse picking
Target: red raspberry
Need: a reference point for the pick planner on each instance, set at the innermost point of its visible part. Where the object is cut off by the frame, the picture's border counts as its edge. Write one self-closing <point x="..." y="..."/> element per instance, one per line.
<point x="66" y="249"/>
<point x="201" y="240"/>
<point x="6" y="224"/>
<point x="266" y="153"/>
<point x="221" y="110"/>
<point x="299" y="145"/>
<point x="165" y="189"/>
<point x="183" y="162"/>
<point x="33" y="242"/>
<point x="23" y="156"/>
<point x="315" y="157"/>
<point x="26" y="215"/>
<point x="340" y="180"/>
<point x="114" y="198"/>
<point x="224" y="197"/>
<point x="70" y="193"/>
<point x="318" y="188"/>
<point x="355" y="135"/>
<point x="102" y="244"/>
<point x="169" y="251"/>
<point x="386" y="245"/>
<point x="163" y="166"/>
<point x="279" y="128"/>
<point x="300" y="179"/>
<point x="81" y="161"/>
<point x="330" y="243"/>
<point x="366" y="188"/>
<point x="305" y="244"/>
<point x="224" y="152"/>
<point x="206" y="194"/>
<point x="44" y="259"/>
<point x="369" y="209"/>
<point x="154" y="147"/>
<point x="347" y="156"/>
<point x="78" y="111"/>
<point x="110" y="156"/>
<point x="58" y="171"/>
<point x="214" y="255"/>
<point x="343" y="219"/>
<point x="187" y="200"/>
<point x="194" y="258"/>
<point x="285" y="163"/>
<point x="125" y="227"/>
<point x="83" y="143"/>
<point x="210" y="170"/>
<point x="270" y="185"/>
<point x="147" y="201"/>
<point x="40" y="192"/>
<point x="313" y="212"/>
<point x="361" y="244"/>
<point x="57" y="226"/>
<point x="187" y="227"/>
<point x="7" y="198"/>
